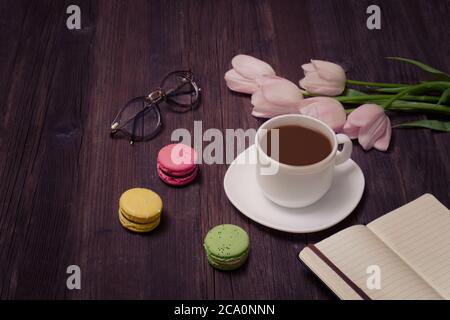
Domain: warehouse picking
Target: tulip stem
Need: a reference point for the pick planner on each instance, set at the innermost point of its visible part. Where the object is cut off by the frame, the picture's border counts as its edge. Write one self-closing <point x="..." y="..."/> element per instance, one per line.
<point x="438" y="85"/>
<point x="376" y="84"/>
<point x="409" y="106"/>
<point x="359" y="99"/>
<point x="391" y="90"/>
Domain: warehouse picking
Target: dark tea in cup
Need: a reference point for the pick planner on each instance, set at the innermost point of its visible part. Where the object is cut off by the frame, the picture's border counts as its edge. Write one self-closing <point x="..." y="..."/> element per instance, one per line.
<point x="297" y="145"/>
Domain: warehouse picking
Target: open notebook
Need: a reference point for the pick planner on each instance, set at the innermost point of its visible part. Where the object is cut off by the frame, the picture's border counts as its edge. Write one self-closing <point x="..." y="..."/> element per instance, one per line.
<point x="410" y="245"/>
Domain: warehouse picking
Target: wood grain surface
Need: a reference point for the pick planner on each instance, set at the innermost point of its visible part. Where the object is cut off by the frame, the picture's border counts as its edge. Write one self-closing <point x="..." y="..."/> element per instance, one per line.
<point x="61" y="175"/>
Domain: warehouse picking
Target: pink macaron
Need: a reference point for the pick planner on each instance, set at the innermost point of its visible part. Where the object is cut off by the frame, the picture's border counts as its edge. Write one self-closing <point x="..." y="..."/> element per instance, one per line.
<point x="177" y="164"/>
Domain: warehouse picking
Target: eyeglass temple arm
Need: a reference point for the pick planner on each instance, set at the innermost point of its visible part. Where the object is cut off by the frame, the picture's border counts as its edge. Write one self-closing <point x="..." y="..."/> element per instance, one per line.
<point x="179" y="93"/>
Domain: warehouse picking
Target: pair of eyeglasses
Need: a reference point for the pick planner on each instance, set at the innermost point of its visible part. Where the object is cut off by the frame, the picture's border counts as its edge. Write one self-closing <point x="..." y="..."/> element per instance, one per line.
<point x="140" y="119"/>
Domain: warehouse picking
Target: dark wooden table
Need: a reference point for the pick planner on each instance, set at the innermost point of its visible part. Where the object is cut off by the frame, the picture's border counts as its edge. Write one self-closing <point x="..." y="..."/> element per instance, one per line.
<point x="61" y="175"/>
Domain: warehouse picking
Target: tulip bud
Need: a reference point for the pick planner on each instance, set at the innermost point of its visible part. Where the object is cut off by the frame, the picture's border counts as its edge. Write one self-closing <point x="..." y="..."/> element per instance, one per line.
<point x="280" y="91"/>
<point x="238" y="83"/>
<point x="250" y="67"/>
<point x="323" y="78"/>
<point x="371" y="126"/>
<point x="276" y="96"/>
<point x="325" y="109"/>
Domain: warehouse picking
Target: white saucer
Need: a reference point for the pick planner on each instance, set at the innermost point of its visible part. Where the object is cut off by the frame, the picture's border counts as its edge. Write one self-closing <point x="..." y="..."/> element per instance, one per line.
<point x="342" y="198"/>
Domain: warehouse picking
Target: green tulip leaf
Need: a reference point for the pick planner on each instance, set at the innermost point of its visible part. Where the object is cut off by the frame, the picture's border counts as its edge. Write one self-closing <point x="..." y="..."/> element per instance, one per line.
<point x="423" y="66"/>
<point x="429" y="124"/>
<point x="444" y="97"/>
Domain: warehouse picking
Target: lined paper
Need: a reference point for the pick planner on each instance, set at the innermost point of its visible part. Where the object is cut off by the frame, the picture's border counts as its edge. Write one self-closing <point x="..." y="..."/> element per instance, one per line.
<point x="419" y="233"/>
<point x="356" y="248"/>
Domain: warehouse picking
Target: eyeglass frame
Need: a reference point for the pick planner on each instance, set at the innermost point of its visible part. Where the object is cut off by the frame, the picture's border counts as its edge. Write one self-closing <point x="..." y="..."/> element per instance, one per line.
<point x="152" y="101"/>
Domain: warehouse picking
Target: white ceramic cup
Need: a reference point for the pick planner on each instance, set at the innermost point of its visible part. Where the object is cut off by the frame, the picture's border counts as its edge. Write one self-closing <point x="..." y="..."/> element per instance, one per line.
<point x="298" y="186"/>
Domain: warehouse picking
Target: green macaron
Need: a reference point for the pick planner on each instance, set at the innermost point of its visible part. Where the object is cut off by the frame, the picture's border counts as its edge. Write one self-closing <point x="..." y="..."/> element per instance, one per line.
<point x="226" y="247"/>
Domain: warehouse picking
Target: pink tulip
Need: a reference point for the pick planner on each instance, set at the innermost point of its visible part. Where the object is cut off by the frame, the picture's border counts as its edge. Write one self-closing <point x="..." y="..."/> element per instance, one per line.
<point x="238" y="83"/>
<point x="246" y="69"/>
<point x="280" y="91"/>
<point x="276" y="96"/>
<point x="250" y="67"/>
<point x="371" y="126"/>
<point x="325" y="109"/>
<point x="323" y="78"/>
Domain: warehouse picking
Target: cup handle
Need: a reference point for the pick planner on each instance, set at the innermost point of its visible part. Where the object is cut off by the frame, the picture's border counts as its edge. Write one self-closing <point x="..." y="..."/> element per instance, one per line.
<point x="346" y="152"/>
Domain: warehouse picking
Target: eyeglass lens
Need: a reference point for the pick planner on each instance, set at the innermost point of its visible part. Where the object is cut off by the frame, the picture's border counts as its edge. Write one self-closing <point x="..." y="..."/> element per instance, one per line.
<point x="143" y="119"/>
<point x="180" y="90"/>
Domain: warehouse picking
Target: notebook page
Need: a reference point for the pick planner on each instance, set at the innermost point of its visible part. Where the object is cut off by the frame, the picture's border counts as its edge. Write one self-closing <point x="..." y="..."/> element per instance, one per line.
<point x="356" y="248"/>
<point x="419" y="232"/>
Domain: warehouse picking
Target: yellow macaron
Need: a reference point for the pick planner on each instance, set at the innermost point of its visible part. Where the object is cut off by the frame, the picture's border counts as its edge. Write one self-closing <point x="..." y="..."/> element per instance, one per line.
<point x="140" y="209"/>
